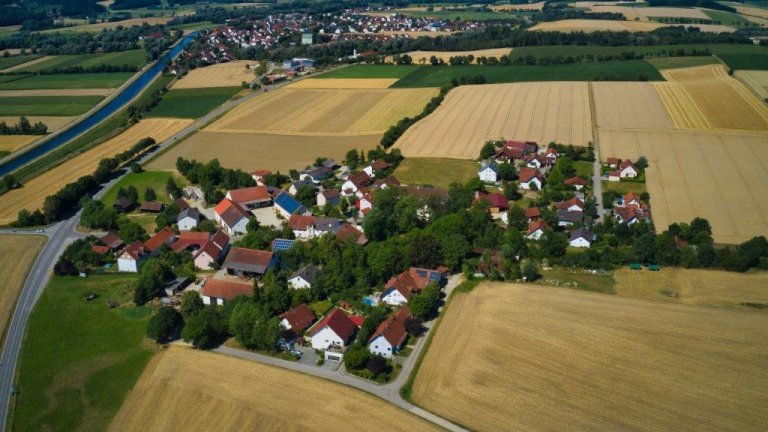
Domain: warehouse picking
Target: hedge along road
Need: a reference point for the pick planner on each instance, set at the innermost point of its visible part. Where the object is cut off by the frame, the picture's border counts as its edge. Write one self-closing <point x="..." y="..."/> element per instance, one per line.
<point x="122" y="99"/>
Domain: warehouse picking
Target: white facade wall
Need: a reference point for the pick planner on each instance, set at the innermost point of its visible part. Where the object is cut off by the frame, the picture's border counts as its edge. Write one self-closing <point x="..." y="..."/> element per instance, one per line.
<point x="127" y="265"/>
<point x="212" y="300"/>
<point x="298" y="282"/>
<point x="536" y="235"/>
<point x="394" y="298"/>
<point x="381" y="346"/>
<point x="187" y="224"/>
<point x="527" y="185"/>
<point x="580" y="242"/>
<point x="488" y="176"/>
<point x="325" y="339"/>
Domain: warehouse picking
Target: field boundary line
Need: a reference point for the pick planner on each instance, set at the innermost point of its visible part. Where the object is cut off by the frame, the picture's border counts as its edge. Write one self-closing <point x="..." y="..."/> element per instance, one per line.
<point x="734" y="225"/>
<point x="746" y="183"/>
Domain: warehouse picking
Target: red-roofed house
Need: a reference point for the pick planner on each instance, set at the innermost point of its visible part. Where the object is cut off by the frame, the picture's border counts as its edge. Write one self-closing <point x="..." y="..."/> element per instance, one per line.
<point x="627" y="170"/>
<point x="302" y="226"/>
<point x="536" y="230"/>
<point x="507" y="155"/>
<point x="377" y="165"/>
<point x="163" y="237"/>
<point x="533" y="214"/>
<point x="347" y="231"/>
<point x="574" y="204"/>
<point x="130" y="259"/>
<point x="259" y="175"/>
<point x="399" y="289"/>
<point x="497" y="202"/>
<point x="612" y="162"/>
<point x="232" y="217"/>
<point x="577" y="182"/>
<point x="250" y="197"/>
<point x="530" y="177"/>
<point x="219" y="291"/>
<point x="335" y="329"/>
<point x="244" y="262"/>
<point x="190" y="240"/>
<point x="631" y="199"/>
<point x="354" y="182"/>
<point x="212" y="251"/>
<point x="390" y="335"/>
<point x="297" y="319"/>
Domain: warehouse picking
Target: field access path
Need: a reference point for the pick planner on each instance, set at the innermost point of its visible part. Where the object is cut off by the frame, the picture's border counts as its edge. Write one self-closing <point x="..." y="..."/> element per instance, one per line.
<point x="597" y="178"/>
<point x="389" y="392"/>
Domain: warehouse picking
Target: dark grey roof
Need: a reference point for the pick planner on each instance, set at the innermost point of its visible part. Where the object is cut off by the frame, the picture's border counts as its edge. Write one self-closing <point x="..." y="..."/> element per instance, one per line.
<point x="330" y="163"/>
<point x="569" y="216"/>
<point x="189" y="212"/>
<point x="582" y="232"/>
<point x="308" y="273"/>
<point x="327" y="224"/>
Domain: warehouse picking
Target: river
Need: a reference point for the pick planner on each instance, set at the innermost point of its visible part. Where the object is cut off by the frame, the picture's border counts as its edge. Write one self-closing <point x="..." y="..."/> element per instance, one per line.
<point x="113" y="106"/>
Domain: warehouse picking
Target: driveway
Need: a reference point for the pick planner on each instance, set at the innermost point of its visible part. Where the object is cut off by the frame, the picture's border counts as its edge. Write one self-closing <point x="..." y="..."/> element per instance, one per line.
<point x="267" y="217"/>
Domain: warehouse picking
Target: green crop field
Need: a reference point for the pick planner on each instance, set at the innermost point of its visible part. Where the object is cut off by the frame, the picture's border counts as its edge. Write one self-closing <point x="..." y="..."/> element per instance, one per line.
<point x="436" y="76"/>
<point x="152" y="179"/>
<point x="80" y="358"/>
<point x="136" y="58"/>
<point x="6" y="62"/>
<point x="682" y="62"/>
<point x="729" y="18"/>
<point x="200" y="25"/>
<point x="192" y="103"/>
<point x="47" y="105"/>
<point x="370" y="71"/>
<point x="436" y="172"/>
<point x="462" y="15"/>
<point x="656" y="51"/>
<point x="745" y="61"/>
<point x="64" y="81"/>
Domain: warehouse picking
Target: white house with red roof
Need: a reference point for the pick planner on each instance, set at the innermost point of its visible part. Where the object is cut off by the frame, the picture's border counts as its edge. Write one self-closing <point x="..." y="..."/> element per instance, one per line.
<point x="627" y="170"/>
<point x="574" y="205"/>
<point x="400" y="288"/>
<point x="390" y="335"/>
<point x="335" y="329"/>
<point x="536" y="230"/>
<point x="354" y="183"/>
<point x="212" y="251"/>
<point x="576" y="182"/>
<point x="132" y="256"/>
<point x="259" y="175"/>
<point x="364" y="204"/>
<point x="302" y="225"/>
<point x="220" y="291"/>
<point x="530" y="178"/>
<point x="250" y="197"/>
<point x="231" y="216"/>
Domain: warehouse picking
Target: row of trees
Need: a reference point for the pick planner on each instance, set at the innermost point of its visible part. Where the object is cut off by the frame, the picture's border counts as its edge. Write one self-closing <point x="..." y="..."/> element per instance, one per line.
<point x="212" y="177"/>
<point x="23" y="127"/>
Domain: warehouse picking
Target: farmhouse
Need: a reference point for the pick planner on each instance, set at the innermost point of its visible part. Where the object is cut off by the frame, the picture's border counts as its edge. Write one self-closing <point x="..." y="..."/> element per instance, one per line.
<point x="507" y="155"/>
<point x="399" y="289"/>
<point x="250" y="197"/>
<point x="354" y="183"/>
<point x="574" y="204"/>
<point x="302" y="226"/>
<point x="627" y="170"/>
<point x="391" y="334"/>
<point x="335" y="329"/>
<point x="188" y="219"/>
<point x="247" y="263"/>
<point x="109" y="243"/>
<point x="220" y="291"/>
<point x="536" y="230"/>
<point x="293" y="189"/>
<point x="576" y="182"/>
<point x="303" y="278"/>
<point x="537" y="161"/>
<point x="165" y="236"/>
<point x="131" y="258"/>
<point x="489" y="173"/>
<point x="328" y="197"/>
<point x="232" y="217"/>
<point x="296" y="320"/>
<point x="581" y="238"/>
<point x="212" y="251"/>
<point x="190" y="240"/>
<point x="377" y="165"/>
<point x="530" y="178"/>
<point x="151" y="207"/>
<point x="287" y="205"/>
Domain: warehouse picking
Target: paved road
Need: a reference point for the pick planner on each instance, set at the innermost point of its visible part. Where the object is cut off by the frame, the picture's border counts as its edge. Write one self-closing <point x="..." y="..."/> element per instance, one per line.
<point x="390" y="392"/>
<point x="597" y="178"/>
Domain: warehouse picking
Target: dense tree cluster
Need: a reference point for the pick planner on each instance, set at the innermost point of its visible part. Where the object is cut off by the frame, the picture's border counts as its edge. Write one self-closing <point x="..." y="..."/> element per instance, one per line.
<point x="213" y="178"/>
<point x="23" y="127"/>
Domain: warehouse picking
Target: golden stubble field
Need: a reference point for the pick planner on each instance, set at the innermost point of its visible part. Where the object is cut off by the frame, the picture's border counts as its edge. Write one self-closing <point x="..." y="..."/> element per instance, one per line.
<point x="230" y="74"/>
<point x="522" y="357"/>
<point x="33" y="193"/>
<point x="418" y="56"/>
<point x="53" y="122"/>
<point x="715" y="175"/>
<point x="11" y="143"/>
<point x="471" y="115"/>
<point x="587" y="25"/>
<point x="185" y="389"/>
<point x="95" y="28"/>
<point x="17" y="253"/>
<point x="343" y="83"/>
<point x="705" y="97"/>
<point x="518" y="7"/>
<point x="694" y="286"/>
<point x="756" y="80"/>
<point x="631" y="105"/>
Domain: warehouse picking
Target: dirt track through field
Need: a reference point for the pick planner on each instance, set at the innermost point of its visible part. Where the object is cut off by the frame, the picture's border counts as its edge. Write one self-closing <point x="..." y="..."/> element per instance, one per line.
<point x="631" y="105"/>
<point x="230" y="74"/>
<point x="471" y="115"/>
<point x="17" y="253"/>
<point x="755" y="80"/>
<point x="33" y="193"/>
<point x="185" y="389"/>
<point x="715" y="175"/>
<point x="520" y="357"/>
<point x="26" y="64"/>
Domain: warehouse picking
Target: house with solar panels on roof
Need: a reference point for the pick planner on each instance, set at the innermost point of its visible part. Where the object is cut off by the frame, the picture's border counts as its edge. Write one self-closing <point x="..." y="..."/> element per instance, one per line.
<point x="286" y="205"/>
<point x="400" y="288"/>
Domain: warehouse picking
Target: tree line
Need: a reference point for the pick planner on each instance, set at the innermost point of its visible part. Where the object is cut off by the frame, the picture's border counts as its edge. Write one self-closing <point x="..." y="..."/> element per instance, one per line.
<point x="23" y="127"/>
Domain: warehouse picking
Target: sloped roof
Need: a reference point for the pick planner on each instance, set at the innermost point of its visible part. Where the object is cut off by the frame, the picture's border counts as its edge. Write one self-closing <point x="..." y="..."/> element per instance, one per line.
<point x="188" y="239"/>
<point x="249" y="194"/>
<point x="301" y="222"/>
<point x="535" y="226"/>
<point x="226" y="289"/>
<point x="582" y="233"/>
<point x="338" y="322"/>
<point x="231" y="212"/>
<point x="393" y="328"/>
<point x="575" y="180"/>
<point x="299" y="318"/>
<point x="135" y="250"/>
<point x="288" y="203"/>
<point x="248" y="260"/>
<point x="152" y="206"/>
<point x="532" y="212"/>
<point x="111" y="240"/>
<point x="527" y="174"/>
<point x="308" y="273"/>
<point x="189" y="212"/>
<point x="348" y="231"/>
<point x="157" y="240"/>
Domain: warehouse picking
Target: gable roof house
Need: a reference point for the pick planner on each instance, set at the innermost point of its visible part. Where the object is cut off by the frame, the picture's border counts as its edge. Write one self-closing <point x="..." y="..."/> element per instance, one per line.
<point x="552" y="154"/>
<point x="188" y="219"/>
<point x="303" y="278"/>
<point x="627" y="170"/>
<point x="399" y="289"/>
<point x="181" y="203"/>
<point x="532" y="213"/>
<point x="377" y="165"/>
<point x="391" y="334"/>
<point x="231" y="216"/>
<point x="612" y="162"/>
<point x="386" y="182"/>
<point x="349" y="232"/>
<point x="296" y="320"/>
<point x="220" y="291"/>
<point x="631" y="199"/>
<point x="286" y="205"/>
<point x="302" y="226"/>
<point x="354" y="183"/>
<point x="123" y="205"/>
<point x="507" y="155"/>
<point x="293" y="189"/>
<point x="568" y="217"/>
<point x="151" y="207"/>
<point x="328" y="197"/>
<point x="190" y="240"/>
<point x="259" y="175"/>
<point x="530" y="177"/>
<point x="573" y="204"/>
<point x="131" y="258"/>
<point x="165" y="236"/>
<point x="365" y="204"/>
<point x="488" y="173"/>
<point x="536" y="230"/>
<point x="109" y="243"/>
<point x="627" y="215"/>
<point x="581" y="238"/>
<point x="537" y="161"/>
<point x="316" y="175"/>
<point x="613" y="176"/>
<point x="576" y="182"/>
<point x="335" y="329"/>
<point x="246" y="263"/>
<point x="250" y="197"/>
<point x="212" y="251"/>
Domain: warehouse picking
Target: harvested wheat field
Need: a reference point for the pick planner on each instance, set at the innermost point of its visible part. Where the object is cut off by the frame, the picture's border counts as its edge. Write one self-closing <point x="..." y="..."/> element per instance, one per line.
<point x="11" y="143"/>
<point x="755" y="80"/>
<point x="230" y="74"/>
<point x="95" y="28"/>
<point x="343" y="83"/>
<point x="184" y="389"/>
<point x="718" y="176"/>
<point x="645" y="13"/>
<point x="248" y="151"/>
<point x="418" y="56"/>
<point x="704" y="97"/>
<point x="57" y="92"/>
<point x="518" y="7"/>
<point x="471" y="115"/>
<point x="17" y="253"/>
<point x="318" y="112"/>
<point x="32" y="195"/>
<point x="587" y="26"/>
<point x="54" y="123"/>
<point x="524" y="357"/>
<point x="631" y="105"/>
<point x="694" y="286"/>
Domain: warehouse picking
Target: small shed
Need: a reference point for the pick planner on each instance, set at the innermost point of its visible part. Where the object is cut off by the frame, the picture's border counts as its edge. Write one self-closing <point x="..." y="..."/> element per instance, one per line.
<point x="635" y="266"/>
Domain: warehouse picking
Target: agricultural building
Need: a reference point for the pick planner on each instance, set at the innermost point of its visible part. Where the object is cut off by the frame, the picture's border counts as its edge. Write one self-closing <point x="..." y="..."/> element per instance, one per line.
<point x="247" y="263"/>
<point x="250" y="197"/>
<point x="232" y="217"/>
<point x="165" y="236"/>
<point x="219" y="291"/>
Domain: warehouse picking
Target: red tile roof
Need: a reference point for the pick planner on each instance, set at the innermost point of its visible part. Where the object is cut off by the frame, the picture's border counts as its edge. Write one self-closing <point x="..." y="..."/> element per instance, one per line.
<point x="411" y="281"/>
<point x="225" y="289"/>
<point x="189" y="239"/>
<point x="498" y="200"/>
<point x="249" y="260"/>
<point x="338" y="322"/>
<point x="261" y="172"/>
<point x="612" y="161"/>
<point x="535" y="226"/>
<point x="348" y="231"/>
<point x="379" y="164"/>
<point x="249" y="195"/>
<point x="161" y="237"/>
<point x="393" y="328"/>
<point x="527" y="174"/>
<point x="299" y="318"/>
<point x="135" y="250"/>
<point x="300" y="222"/>
<point x="625" y="164"/>
<point x="359" y="179"/>
<point x="151" y="206"/>
<point x="231" y="212"/>
<point x="532" y="212"/>
<point x="565" y="205"/>
<point x="357" y="319"/>
<point x="111" y="240"/>
<point x="215" y="245"/>
<point x="101" y="250"/>
<point x="576" y="180"/>
<point x="182" y="204"/>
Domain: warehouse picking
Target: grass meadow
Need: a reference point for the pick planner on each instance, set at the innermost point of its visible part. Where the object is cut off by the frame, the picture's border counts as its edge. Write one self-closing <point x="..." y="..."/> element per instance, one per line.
<point x="47" y="105"/>
<point x="64" y="81"/>
<point x="436" y="172"/>
<point x="147" y="179"/>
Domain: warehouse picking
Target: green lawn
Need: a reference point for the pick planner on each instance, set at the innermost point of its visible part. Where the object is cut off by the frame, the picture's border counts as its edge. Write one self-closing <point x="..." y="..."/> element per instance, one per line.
<point x="136" y="58"/>
<point x="154" y="179"/>
<point x="6" y="62"/>
<point x="681" y="62"/>
<point x="745" y="61"/>
<point x="436" y="172"/>
<point x="656" y="51"/>
<point x="64" y="81"/>
<point x="436" y="76"/>
<point x="80" y="359"/>
<point x="624" y="187"/>
<point x="728" y="18"/>
<point x="47" y="105"/>
<point x="192" y="103"/>
<point x="579" y="280"/>
<point x="202" y="25"/>
<point x="583" y="168"/>
<point x="370" y="71"/>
